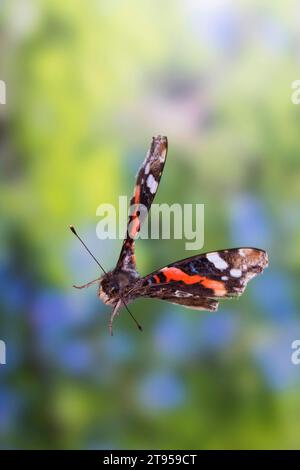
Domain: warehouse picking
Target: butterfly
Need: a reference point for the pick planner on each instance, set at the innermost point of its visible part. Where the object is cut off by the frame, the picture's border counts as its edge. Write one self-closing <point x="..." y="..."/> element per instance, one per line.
<point x="197" y="282"/>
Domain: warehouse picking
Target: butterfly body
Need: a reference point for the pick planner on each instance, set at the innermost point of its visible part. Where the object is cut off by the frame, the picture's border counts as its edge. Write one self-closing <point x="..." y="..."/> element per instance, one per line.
<point x="198" y="282"/>
<point x="115" y="285"/>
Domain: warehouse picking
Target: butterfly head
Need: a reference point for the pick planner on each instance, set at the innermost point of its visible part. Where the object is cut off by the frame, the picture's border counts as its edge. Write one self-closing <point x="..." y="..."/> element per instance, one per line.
<point x="114" y="285"/>
<point x="108" y="289"/>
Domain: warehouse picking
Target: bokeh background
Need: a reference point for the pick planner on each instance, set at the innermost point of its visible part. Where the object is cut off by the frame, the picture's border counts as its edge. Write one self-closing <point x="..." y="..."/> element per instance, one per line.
<point x="88" y="84"/>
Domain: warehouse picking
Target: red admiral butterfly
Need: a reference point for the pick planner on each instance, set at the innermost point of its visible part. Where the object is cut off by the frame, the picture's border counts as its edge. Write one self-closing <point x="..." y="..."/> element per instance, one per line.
<point x="197" y="282"/>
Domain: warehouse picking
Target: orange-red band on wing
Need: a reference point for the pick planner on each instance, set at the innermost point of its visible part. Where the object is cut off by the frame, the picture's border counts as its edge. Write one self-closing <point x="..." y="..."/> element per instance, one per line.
<point x="137" y="194"/>
<point x="175" y="274"/>
<point x="135" y="224"/>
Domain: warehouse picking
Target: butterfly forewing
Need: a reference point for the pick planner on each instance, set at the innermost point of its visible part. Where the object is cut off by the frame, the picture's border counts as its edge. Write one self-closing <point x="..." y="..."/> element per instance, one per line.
<point x="196" y="281"/>
<point x="147" y="182"/>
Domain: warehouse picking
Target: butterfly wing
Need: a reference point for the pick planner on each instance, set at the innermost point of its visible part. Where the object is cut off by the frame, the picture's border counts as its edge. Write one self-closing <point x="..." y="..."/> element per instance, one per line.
<point x="147" y="182"/>
<point x="200" y="281"/>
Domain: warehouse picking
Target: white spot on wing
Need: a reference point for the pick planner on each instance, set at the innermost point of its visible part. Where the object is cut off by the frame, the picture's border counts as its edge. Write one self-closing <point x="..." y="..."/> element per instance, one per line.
<point x="217" y="261"/>
<point x="152" y="184"/>
<point x="235" y="272"/>
<point x="224" y="278"/>
<point x="147" y="168"/>
<point x="163" y="157"/>
<point x="242" y="252"/>
<point x="180" y="293"/>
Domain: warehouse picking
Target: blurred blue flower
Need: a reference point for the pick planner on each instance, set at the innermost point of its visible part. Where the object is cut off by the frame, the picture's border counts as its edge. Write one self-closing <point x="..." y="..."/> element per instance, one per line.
<point x="161" y="390"/>
<point x="274" y="34"/>
<point x="76" y="356"/>
<point x="249" y="222"/>
<point x="51" y="313"/>
<point x="173" y="336"/>
<point x="275" y="293"/>
<point x="217" y="331"/>
<point x="54" y="312"/>
<point x="274" y="357"/>
<point x="178" y="337"/>
<point x="15" y="292"/>
<point x="217" y="26"/>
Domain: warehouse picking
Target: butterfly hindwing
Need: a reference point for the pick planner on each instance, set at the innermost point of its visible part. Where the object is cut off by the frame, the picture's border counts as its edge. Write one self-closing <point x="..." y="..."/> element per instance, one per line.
<point x="197" y="281"/>
<point x="176" y="295"/>
<point x="147" y="182"/>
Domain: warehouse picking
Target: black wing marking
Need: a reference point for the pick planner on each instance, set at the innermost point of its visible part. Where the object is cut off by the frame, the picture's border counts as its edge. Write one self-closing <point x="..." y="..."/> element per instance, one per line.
<point x="147" y="182"/>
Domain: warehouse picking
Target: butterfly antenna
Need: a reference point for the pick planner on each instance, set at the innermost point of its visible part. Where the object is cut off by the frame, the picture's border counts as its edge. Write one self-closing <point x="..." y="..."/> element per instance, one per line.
<point x="72" y="228"/>
<point x="133" y="318"/>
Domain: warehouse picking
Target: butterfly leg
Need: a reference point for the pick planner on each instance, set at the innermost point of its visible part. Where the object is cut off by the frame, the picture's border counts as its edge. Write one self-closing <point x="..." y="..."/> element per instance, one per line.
<point x="88" y="284"/>
<point x="115" y="312"/>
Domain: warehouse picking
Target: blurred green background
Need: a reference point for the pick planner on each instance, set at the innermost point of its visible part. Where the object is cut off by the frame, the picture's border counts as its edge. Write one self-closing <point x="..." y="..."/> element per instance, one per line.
<point x="88" y="84"/>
